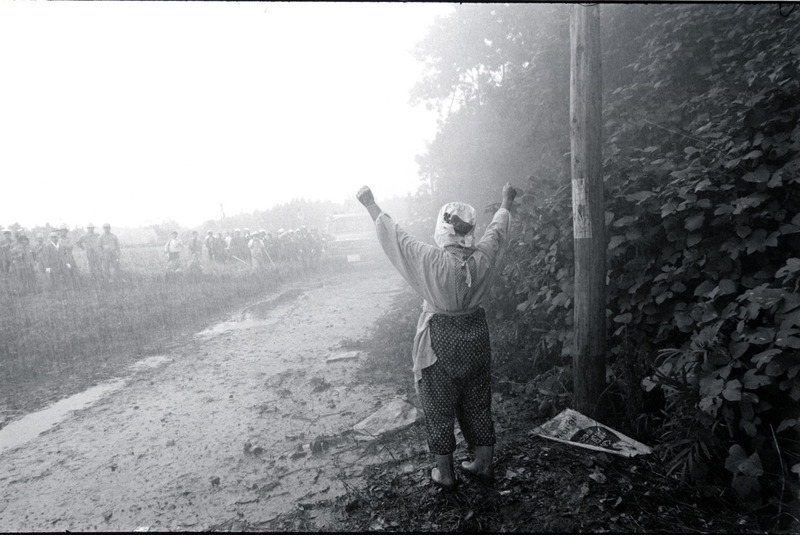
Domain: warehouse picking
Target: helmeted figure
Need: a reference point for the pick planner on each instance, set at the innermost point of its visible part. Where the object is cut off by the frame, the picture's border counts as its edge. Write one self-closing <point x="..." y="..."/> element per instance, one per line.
<point x="23" y="268"/>
<point x="238" y="246"/>
<point x="109" y="253"/>
<point x="53" y="261"/>
<point x="65" y="247"/>
<point x="6" y="243"/>
<point x="37" y="251"/>
<point x="209" y="243"/>
<point x="246" y="250"/>
<point x="195" y="246"/>
<point x="90" y="243"/>
<point x="220" y="250"/>
<point x="258" y="253"/>
<point x="173" y="249"/>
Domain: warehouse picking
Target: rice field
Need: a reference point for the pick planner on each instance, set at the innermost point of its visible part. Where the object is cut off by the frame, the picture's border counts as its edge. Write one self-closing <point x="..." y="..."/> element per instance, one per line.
<point x="57" y="341"/>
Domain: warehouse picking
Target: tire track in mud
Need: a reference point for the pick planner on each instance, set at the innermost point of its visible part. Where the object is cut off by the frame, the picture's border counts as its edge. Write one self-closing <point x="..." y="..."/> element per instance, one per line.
<point x="222" y="430"/>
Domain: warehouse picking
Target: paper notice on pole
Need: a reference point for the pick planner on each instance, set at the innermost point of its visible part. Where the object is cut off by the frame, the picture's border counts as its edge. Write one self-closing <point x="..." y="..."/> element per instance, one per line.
<point x="581" y="223"/>
<point x="572" y="427"/>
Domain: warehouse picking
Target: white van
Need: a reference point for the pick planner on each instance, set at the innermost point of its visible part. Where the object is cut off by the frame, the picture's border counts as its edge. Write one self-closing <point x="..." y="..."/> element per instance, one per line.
<point x="352" y="237"/>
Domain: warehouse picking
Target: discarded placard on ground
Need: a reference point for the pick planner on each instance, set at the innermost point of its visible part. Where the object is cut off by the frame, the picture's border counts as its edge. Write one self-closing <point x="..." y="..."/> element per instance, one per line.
<point x="393" y="416"/>
<point x="346" y="355"/>
<point x="572" y="427"/>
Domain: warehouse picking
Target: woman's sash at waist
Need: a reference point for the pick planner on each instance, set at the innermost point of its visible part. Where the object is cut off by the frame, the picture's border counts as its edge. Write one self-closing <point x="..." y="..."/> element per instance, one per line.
<point x="430" y="309"/>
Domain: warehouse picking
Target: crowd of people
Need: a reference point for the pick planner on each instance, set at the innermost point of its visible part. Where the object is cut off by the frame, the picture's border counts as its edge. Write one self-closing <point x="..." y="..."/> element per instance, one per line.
<point x="52" y="257"/>
<point x="259" y="250"/>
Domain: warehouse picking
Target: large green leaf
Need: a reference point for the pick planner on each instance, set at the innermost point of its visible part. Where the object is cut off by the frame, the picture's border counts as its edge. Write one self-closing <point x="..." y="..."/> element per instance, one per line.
<point x="616" y="241"/>
<point x="759" y="176"/>
<point x="624" y="318"/>
<point x="748" y="202"/>
<point x="733" y="390"/>
<point x="764" y="357"/>
<point x="737" y="349"/>
<point x="751" y="466"/>
<point x="753" y="381"/>
<point x="694" y="222"/>
<point x="788" y="423"/>
<point x="704" y="288"/>
<point x="726" y="287"/>
<point x="639" y="196"/>
<point x="736" y="455"/>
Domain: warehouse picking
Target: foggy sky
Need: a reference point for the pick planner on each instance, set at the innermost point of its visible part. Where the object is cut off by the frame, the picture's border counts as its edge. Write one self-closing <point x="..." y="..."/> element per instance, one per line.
<point x="134" y="113"/>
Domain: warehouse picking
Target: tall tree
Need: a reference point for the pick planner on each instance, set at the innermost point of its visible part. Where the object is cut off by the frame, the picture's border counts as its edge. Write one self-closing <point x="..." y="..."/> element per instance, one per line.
<point x="487" y="72"/>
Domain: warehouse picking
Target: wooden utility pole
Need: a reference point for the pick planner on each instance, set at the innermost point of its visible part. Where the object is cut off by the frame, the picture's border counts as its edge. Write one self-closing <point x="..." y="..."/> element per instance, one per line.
<point x="588" y="210"/>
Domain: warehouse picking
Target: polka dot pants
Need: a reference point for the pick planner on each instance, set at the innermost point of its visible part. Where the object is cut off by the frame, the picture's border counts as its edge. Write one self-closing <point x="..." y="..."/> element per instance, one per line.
<point x="457" y="386"/>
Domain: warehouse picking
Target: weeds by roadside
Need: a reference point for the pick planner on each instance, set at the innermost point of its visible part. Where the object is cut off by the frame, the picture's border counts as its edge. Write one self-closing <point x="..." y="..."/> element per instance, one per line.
<point x="388" y="343"/>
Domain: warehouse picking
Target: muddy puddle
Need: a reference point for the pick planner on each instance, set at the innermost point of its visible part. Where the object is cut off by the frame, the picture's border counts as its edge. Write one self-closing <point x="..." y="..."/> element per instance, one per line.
<point x="253" y="317"/>
<point x="241" y="323"/>
<point x="149" y="363"/>
<point x="34" y="424"/>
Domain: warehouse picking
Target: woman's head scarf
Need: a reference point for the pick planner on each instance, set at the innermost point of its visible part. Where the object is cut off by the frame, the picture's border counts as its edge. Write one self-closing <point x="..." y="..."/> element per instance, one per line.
<point x="455" y="225"/>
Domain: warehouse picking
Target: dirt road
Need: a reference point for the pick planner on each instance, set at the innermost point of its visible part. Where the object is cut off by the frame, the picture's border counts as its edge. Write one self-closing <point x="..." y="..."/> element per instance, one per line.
<point x="219" y="430"/>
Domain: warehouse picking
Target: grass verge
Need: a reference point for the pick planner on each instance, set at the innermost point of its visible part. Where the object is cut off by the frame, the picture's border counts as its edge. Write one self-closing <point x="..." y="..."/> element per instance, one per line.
<point x="388" y="344"/>
<point x="57" y="343"/>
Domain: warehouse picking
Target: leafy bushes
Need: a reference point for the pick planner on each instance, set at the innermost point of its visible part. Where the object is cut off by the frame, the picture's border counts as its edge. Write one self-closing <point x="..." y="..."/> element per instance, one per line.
<point x="532" y="299"/>
<point x="703" y="257"/>
<point x="703" y="209"/>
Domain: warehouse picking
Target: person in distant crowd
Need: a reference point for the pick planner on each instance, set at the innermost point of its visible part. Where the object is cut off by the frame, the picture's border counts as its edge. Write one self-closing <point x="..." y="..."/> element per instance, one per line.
<point x="22" y="264"/>
<point x="269" y="247"/>
<point x="173" y="248"/>
<point x="220" y="249"/>
<point x="90" y="243"/>
<point x="295" y="245"/>
<point x="280" y="254"/>
<point x="209" y="242"/>
<point x="37" y="251"/>
<point x="195" y="245"/>
<point x="109" y="253"/>
<point x="237" y="249"/>
<point x="5" y="248"/>
<point x="65" y="247"/>
<point x="307" y="247"/>
<point x="246" y="238"/>
<point x="228" y="238"/>
<point x="265" y="240"/>
<point x="53" y="261"/>
<point x="258" y="255"/>
<point x="316" y="247"/>
<point x="451" y="350"/>
<point x="287" y="245"/>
